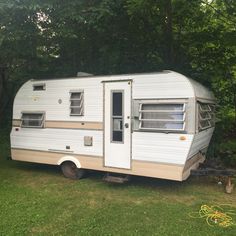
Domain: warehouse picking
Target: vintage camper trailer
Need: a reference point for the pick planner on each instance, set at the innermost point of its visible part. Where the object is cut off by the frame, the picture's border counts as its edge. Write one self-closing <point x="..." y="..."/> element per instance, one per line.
<point x="155" y="124"/>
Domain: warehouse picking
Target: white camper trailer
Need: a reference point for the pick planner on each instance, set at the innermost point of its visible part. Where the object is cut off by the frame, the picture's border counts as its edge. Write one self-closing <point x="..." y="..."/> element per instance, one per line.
<point x="155" y="124"/>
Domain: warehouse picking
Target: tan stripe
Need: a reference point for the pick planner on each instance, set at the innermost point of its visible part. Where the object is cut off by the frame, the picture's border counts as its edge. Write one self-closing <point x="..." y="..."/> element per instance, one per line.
<point x="67" y="124"/>
<point x="196" y="158"/>
<point x="164" y="171"/>
<point x="192" y="164"/>
<point x="141" y="168"/>
<point x="147" y="169"/>
<point x="74" y="125"/>
<point x="35" y="156"/>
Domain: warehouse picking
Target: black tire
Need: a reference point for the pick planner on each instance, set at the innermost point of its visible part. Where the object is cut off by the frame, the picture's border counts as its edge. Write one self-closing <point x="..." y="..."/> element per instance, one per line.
<point x="70" y="170"/>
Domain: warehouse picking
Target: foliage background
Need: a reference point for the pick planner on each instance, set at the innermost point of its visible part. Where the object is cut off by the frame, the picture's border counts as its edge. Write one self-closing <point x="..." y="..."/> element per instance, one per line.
<point x="52" y="38"/>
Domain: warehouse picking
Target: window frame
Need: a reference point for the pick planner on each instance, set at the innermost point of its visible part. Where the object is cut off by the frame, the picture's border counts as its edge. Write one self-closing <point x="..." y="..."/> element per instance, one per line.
<point x="169" y="130"/>
<point x="39" y="85"/>
<point x="115" y="116"/>
<point x="210" y="115"/>
<point x="33" y="113"/>
<point x="81" y="99"/>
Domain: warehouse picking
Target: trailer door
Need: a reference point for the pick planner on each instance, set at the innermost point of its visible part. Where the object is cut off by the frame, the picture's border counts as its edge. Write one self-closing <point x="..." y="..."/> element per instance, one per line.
<point x="117" y="124"/>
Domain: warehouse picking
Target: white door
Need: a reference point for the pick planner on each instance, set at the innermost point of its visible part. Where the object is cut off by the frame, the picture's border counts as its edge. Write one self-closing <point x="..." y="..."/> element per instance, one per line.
<point x="117" y="131"/>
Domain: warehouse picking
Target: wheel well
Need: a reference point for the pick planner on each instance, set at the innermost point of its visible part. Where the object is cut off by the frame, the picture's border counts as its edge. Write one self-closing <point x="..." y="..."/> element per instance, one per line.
<point x="69" y="159"/>
<point x="66" y="162"/>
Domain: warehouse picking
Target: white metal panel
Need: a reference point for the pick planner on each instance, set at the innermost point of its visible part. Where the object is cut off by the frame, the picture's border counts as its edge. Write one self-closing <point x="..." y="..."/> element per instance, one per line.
<point x="201" y="91"/>
<point x="201" y="140"/>
<point x="145" y="86"/>
<point x="160" y="147"/>
<point x="162" y="86"/>
<point x="47" y="100"/>
<point x="57" y="139"/>
<point x="117" y="154"/>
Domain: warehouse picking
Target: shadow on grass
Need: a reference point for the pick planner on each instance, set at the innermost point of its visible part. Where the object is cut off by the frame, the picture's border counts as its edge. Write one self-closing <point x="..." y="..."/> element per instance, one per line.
<point x="139" y="181"/>
<point x="35" y="167"/>
<point x="97" y="176"/>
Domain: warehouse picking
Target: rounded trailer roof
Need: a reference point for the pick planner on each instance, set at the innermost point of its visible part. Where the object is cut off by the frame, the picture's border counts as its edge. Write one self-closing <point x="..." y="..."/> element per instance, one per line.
<point x="199" y="91"/>
<point x="165" y="84"/>
<point x="170" y="84"/>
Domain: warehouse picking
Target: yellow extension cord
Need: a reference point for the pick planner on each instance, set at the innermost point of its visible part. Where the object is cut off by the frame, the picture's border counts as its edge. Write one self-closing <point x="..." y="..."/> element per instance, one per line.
<point x="215" y="216"/>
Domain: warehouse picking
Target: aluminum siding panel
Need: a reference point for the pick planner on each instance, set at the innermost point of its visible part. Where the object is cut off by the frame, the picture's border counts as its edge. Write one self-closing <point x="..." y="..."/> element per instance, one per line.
<point x="201" y="140"/>
<point x="162" y="86"/>
<point x="29" y="100"/>
<point x="58" y="139"/>
<point x="161" y="147"/>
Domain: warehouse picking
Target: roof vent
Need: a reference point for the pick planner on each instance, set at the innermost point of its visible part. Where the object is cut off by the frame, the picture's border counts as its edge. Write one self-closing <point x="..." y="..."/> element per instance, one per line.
<point x="83" y="74"/>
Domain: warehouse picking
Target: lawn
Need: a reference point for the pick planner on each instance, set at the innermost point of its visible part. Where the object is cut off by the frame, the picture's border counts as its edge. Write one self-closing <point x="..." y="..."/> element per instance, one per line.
<point x="38" y="200"/>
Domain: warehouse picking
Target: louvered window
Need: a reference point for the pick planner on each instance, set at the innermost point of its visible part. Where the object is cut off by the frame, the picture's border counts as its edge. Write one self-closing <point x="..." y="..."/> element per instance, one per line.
<point x="32" y="120"/>
<point x="206" y="116"/>
<point x="163" y="117"/>
<point x="77" y="103"/>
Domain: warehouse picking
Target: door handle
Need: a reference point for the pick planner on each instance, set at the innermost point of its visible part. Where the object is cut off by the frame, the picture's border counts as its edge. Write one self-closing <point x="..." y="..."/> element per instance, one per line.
<point x="126" y="125"/>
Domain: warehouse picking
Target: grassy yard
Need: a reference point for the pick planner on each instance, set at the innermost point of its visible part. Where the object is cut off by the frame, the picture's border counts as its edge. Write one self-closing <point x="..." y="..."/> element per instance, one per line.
<point x="38" y="200"/>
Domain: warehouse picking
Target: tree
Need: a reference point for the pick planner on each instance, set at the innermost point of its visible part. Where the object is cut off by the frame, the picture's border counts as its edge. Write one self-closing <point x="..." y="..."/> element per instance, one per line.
<point x="58" y="38"/>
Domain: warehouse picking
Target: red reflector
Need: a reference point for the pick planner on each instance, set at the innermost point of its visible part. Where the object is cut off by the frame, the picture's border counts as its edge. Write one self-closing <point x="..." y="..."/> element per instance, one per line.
<point x="16" y="129"/>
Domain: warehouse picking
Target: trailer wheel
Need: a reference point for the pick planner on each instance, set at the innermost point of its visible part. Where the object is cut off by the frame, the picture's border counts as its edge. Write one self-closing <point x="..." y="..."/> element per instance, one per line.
<point x="70" y="170"/>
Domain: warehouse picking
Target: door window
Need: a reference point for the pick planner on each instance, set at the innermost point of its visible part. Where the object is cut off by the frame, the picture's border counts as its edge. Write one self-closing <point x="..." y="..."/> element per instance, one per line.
<point x="117" y="116"/>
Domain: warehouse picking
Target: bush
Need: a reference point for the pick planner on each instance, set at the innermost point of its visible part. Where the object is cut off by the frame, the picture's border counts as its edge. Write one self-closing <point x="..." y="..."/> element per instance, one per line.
<point x="227" y="153"/>
<point x="223" y="143"/>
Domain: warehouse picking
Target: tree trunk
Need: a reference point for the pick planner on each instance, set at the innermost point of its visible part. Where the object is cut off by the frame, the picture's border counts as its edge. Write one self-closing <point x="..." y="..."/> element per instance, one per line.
<point x="169" y="33"/>
<point x="1" y="83"/>
<point x="3" y="100"/>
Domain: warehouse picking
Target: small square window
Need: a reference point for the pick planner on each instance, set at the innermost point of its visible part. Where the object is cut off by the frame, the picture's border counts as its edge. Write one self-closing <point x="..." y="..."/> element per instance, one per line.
<point x="32" y="120"/>
<point x="39" y="87"/>
<point x="77" y="103"/>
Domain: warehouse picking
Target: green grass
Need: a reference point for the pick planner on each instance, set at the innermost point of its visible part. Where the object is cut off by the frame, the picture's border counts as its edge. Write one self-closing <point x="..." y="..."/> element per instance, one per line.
<point x="38" y="200"/>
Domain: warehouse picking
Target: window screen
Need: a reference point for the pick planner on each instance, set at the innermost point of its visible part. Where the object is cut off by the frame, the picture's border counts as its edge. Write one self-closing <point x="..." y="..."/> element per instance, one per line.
<point x="206" y="116"/>
<point x="32" y="120"/>
<point x="76" y="103"/>
<point x="156" y="116"/>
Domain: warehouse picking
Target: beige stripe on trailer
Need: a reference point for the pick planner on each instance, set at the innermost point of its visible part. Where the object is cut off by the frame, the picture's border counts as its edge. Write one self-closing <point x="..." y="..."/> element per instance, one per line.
<point x="67" y="125"/>
<point x="141" y="168"/>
